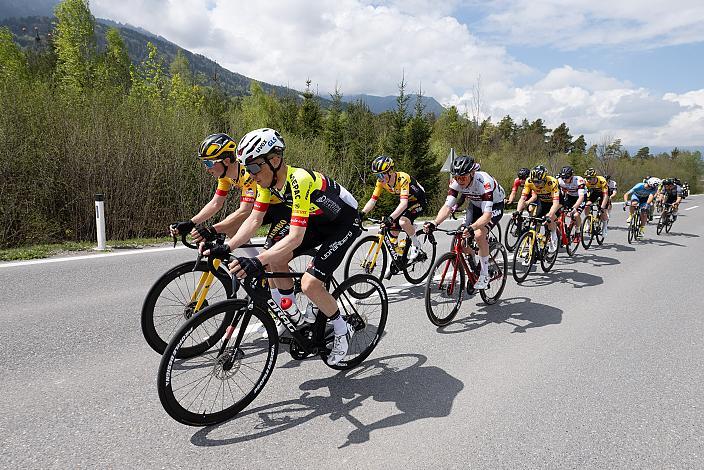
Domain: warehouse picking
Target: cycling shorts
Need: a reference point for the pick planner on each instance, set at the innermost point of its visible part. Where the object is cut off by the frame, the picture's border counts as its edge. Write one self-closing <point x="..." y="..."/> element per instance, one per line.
<point x="568" y="202"/>
<point x="475" y="212"/>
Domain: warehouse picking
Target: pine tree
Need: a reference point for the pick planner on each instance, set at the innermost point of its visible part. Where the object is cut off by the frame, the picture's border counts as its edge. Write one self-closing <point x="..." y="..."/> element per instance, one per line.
<point x="310" y="118"/>
<point x="560" y="140"/>
<point x="334" y="136"/>
<point x="419" y="161"/>
<point x="395" y="145"/>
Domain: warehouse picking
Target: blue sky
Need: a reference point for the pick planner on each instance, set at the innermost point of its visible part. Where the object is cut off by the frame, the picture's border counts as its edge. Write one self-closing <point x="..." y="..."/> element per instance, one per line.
<point x="627" y="69"/>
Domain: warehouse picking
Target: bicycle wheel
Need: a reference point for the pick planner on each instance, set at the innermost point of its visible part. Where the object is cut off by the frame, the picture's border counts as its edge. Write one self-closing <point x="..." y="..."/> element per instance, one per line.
<point x="444" y="289"/>
<point x="417" y="270"/>
<point x="363" y="258"/>
<point x="668" y="226"/>
<point x="222" y="379"/>
<point x="496" y="232"/>
<point x="168" y="304"/>
<point x="586" y="232"/>
<point x="547" y="261"/>
<point x="366" y="313"/>
<point x="513" y="233"/>
<point x="498" y="271"/>
<point x="598" y="231"/>
<point x="524" y="257"/>
<point x="573" y="238"/>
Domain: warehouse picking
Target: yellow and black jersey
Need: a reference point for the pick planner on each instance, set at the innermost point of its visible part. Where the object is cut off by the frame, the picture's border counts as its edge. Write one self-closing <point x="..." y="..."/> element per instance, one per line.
<point x="405" y="186"/>
<point x="244" y="182"/>
<point x="550" y="191"/>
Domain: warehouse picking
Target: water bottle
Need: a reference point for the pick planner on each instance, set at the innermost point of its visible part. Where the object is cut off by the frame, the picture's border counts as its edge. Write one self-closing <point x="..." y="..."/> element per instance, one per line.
<point x="291" y="310"/>
<point x="400" y="246"/>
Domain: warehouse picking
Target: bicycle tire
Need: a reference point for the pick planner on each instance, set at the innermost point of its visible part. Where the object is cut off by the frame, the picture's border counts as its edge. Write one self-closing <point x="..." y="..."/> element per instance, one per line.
<point x="363" y="340"/>
<point x="170" y="377"/>
<point x="572" y="247"/>
<point x="586" y="229"/>
<point x="457" y="289"/>
<point x="409" y="269"/>
<point x="511" y="229"/>
<point x="670" y="221"/>
<point x="498" y="259"/>
<point x="547" y="260"/>
<point x="181" y="296"/>
<point x="363" y="266"/>
<point x="496" y="232"/>
<point x="526" y="248"/>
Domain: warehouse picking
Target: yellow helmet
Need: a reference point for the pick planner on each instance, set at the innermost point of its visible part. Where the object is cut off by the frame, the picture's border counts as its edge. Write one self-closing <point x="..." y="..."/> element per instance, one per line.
<point x="217" y="147"/>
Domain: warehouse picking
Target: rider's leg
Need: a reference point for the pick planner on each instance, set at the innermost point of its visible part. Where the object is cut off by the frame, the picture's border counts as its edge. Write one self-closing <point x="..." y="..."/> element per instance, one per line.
<point x="410" y="230"/>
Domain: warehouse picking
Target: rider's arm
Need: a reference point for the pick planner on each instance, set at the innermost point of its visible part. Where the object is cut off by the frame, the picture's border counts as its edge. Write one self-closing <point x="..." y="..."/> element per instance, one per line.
<point x="403" y="198"/>
<point x="446" y="210"/>
<point x="215" y="204"/>
<point x="605" y="199"/>
<point x="247" y="230"/>
<point x="555" y="202"/>
<point x="511" y="196"/>
<point x="581" y="194"/>
<point x="524" y="195"/>
<point x="369" y="206"/>
<point x="232" y="222"/>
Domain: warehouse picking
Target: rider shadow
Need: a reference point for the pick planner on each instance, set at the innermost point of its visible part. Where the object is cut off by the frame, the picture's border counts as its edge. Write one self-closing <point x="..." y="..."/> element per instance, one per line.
<point x="398" y="294"/>
<point x="598" y="261"/>
<point x="572" y="277"/>
<point x="661" y="242"/>
<point x="682" y="234"/>
<point x="520" y="312"/>
<point x="418" y="392"/>
<point x="612" y="246"/>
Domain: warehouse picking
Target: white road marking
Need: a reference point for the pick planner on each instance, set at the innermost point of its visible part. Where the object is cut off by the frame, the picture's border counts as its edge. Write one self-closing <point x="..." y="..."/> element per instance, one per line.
<point x="690" y="208"/>
<point x="99" y="255"/>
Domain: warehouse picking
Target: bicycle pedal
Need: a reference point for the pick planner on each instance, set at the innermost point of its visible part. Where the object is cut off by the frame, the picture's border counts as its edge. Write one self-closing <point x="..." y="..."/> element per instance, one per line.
<point x="285" y="339"/>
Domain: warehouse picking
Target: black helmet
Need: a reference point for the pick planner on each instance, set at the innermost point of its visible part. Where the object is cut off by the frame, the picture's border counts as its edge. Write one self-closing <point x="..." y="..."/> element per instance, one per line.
<point x="523" y="173"/>
<point x="677" y="181"/>
<point x="217" y="147"/>
<point x="566" y="172"/>
<point x="539" y="173"/>
<point x="463" y="165"/>
<point x="608" y="177"/>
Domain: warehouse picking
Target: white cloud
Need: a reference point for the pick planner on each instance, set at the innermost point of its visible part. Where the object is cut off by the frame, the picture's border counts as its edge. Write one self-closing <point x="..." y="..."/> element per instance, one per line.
<point x="364" y="46"/>
<point x="580" y="23"/>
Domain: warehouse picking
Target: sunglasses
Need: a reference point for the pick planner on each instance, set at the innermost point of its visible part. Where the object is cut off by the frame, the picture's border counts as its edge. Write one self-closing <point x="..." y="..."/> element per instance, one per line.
<point x="254" y="168"/>
<point x="539" y="182"/>
<point x="379" y="176"/>
<point x="210" y="163"/>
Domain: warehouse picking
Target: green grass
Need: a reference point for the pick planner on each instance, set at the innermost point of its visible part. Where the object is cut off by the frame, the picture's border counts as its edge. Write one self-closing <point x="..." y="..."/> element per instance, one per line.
<point x="52" y="249"/>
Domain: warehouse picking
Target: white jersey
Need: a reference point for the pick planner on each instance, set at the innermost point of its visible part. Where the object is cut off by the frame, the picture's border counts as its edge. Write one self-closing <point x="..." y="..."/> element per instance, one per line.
<point x="483" y="191"/>
<point x="612" y="186"/>
<point x="575" y="187"/>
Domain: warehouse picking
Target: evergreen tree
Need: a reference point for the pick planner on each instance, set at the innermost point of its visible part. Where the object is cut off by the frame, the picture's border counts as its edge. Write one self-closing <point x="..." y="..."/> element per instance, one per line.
<point x="395" y="145"/>
<point x="334" y="135"/>
<point x="289" y="114"/>
<point x="560" y="140"/>
<point x="361" y="143"/>
<point x="579" y="145"/>
<point x="643" y="153"/>
<point x="419" y="161"/>
<point x="507" y="129"/>
<point x="74" y="41"/>
<point x="310" y="118"/>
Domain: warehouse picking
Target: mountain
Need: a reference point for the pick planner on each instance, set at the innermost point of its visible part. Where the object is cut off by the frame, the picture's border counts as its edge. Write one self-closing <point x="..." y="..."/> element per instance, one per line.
<point x="18" y="8"/>
<point x="379" y="104"/>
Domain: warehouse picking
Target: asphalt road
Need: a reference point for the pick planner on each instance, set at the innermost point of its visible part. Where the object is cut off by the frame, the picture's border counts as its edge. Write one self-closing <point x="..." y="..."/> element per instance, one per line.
<point x="598" y="364"/>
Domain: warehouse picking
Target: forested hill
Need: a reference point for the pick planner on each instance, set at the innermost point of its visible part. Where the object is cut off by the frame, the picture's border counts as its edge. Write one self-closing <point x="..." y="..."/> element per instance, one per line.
<point x="209" y="71"/>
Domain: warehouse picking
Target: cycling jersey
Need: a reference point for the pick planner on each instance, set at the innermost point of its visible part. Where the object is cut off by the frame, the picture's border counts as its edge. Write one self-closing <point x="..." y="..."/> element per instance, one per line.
<point x="671" y="195"/>
<point x="612" y="187"/>
<point x="517" y="183"/>
<point x="404" y="185"/>
<point x="599" y="185"/>
<point x="244" y="182"/>
<point x="574" y="187"/>
<point x="308" y="194"/>
<point x="547" y="192"/>
<point x="641" y="192"/>
<point x="484" y="191"/>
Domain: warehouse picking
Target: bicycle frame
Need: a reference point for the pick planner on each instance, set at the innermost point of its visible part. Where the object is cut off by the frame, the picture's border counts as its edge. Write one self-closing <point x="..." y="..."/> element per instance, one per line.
<point x="383" y="238"/>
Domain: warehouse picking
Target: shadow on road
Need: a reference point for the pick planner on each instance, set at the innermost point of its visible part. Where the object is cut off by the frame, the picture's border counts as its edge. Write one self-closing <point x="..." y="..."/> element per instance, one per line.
<point x="520" y="312"/>
<point x="417" y="391"/>
<point x="398" y="294"/>
<point x="596" y="260"/>
<point x="571" y="277"/>
<point x="659" y="241"/>
<point x="682" y="234"/>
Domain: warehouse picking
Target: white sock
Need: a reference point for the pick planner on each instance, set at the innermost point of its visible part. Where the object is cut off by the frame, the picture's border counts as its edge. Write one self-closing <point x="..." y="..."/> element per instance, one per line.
<point x="484" y="262"/>
<point x="276" y="295"/>
<point x="339" y="324"/>
<point x="553" y="236"/>
<point x="415" y="241"/>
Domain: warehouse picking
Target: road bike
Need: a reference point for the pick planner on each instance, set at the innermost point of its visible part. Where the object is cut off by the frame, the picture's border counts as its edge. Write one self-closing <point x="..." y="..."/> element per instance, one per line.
<point x="221" y="359"/>
<point x="456" y="272"/>
<point x="370" y="255"/>
<point x="567" y="232"/>
<point x="515" y="228"/>
<point x="666" y="220"/>
<point x="634" y="225"/>
<point x="533" y="247"/>
<point x="592" y="227"/>
<point x="186" y="289"/>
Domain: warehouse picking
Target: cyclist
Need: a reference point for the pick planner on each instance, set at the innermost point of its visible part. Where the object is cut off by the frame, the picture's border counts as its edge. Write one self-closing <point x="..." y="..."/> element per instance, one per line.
<point x="521" y="177"/>
<point x="217" y="153"/>
<point x="485" y="210"/>
<point x="598" y="193"/>
<point x="547" y="189"/>
<point x="323" y="214"/>
<point x="411" y="200"/>
<point x="572" y="193"/>
<point x="641" y="196"/>
<point x="672" y="195"/>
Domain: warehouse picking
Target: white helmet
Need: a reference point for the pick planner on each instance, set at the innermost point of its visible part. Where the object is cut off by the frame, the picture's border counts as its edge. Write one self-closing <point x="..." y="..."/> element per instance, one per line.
<point x="259" y="143"/>
<point x="654" y="181"/>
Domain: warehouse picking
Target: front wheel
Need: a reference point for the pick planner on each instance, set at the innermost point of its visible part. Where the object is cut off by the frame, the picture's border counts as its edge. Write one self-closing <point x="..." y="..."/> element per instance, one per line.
<point x="224" y="377"/>
<point x="367" y="314"/>
<point x="498" y="271"/>
<point x="573" y="238"/>
<point x="547" y="261"/>
<point x="513" y="233"/>
<point x="586" y="233"/>
<point x="169" y="303"/>
<point x="367" y="256"/>
<point x="525" y="256"/>
<point x="444" y="289"/>
<point x="417" y="270"/>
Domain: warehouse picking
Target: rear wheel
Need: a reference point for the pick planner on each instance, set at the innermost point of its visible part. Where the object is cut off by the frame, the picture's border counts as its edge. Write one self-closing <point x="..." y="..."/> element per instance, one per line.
<point x="221" y="380"/>
<point x="547" y="261"/>
<point x="573" y="238"/>
<point x="366" y="313"/>
<point x="498" y="271"/>
<point x="444" y="289"/>
<point x="417" y="270"/>
<point x="524" y="257"/>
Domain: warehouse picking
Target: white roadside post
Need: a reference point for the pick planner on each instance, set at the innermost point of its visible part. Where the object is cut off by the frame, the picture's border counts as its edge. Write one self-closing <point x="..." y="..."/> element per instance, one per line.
<point x="100" y="221"/>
